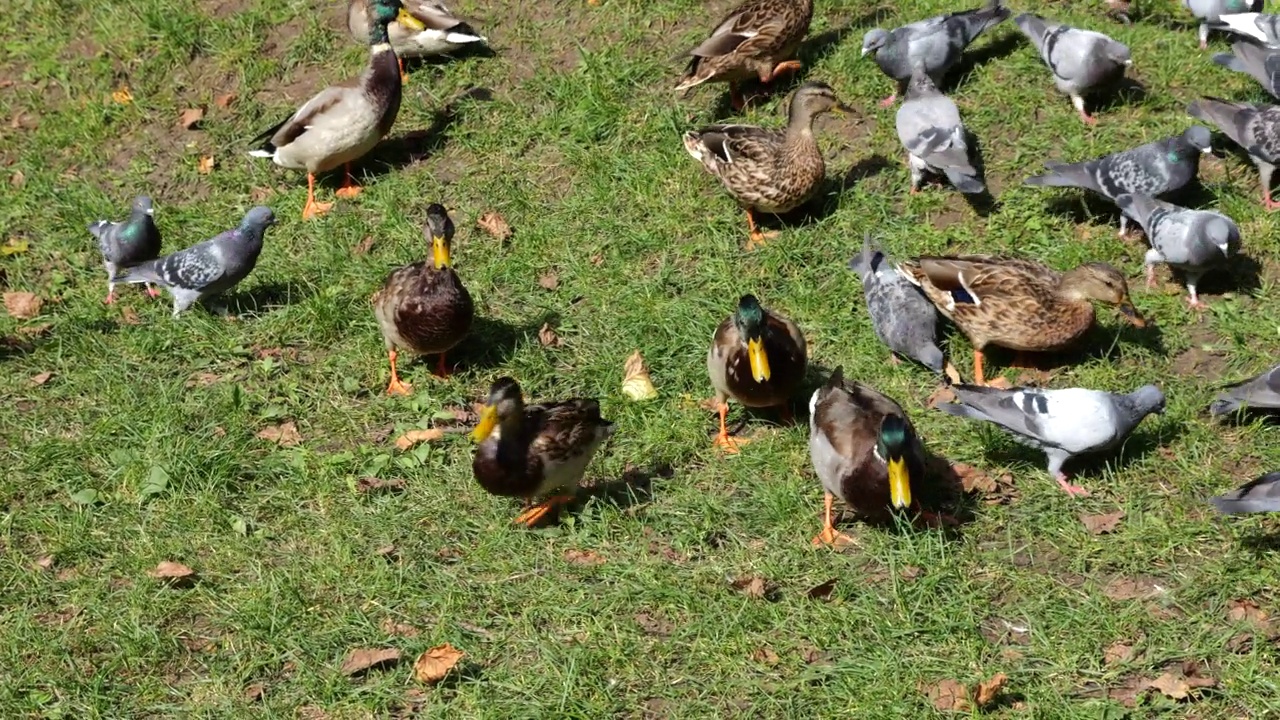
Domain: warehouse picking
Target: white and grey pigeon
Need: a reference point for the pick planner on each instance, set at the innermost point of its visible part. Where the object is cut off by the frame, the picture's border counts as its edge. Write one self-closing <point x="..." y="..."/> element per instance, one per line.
<point x="1254" y="127"/>
<point x="937" y="43"/>
<point x="1259" y="27"/>
<point x="1259" y="495"/>
<point x="127" y="242"/>
<point x="1257" y="61"/>
<point x="1210" y="12"/>
<point x="901" y="315"/>
<point x="929" y="128"/>
<point x="1192" y="241"/>
<point x="1156" y="168"/>
<point x="210" y="267"/>
<point x="1063" y="423"/>
<point x="1260" y="392"/>
<point x="1080" y="60"/>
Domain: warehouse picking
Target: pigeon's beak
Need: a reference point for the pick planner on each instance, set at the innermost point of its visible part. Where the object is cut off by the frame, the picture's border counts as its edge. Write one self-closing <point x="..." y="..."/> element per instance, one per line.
<point x="1131" y="313"/>
<point x="865" y="50"/>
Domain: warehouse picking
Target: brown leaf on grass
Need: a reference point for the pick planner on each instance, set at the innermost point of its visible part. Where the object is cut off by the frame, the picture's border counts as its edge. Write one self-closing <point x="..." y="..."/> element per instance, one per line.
<point x="549" y="280"/>
<point x="766" y="656"/>
<point x="312" y="712"/>
<point x="654" y="624"/>
<point x="1033" y="377"/>
<point x="999" y="383"/>
<point x="17" y="179"/>
<point x="1239" y="644"/>
<point x="45" y="562"/>
<point x="391" y="627"/>
<point x="988" y="690"/>
<point x="1126" y="588"/>
<point x="285" y="434"/>
<point x="1179" y="686"/>
<point x="259" y="194"/>
<point x="362" y="659"/>
<point x="22" y="305"/>
<point x="494" y="224"/>
<point x="129" y="316"/>
<point x="41" y="378"/>
<point x="32" y="331"/>
<point x="364" y="246"/>
<point x="636" y="382"/>
<point x="224" y="100"/>
<point x="1116" y="653"/>
<point x="822" y="591"/>
<point x="1100" y="524"/>
<point x="122" y="96"/>
<point x="948" y="696"/>
<point x="943" y="394"/>
<point x="385" y="551"/>
<point x="1246" y="610"/>
<point x="910" y="572"/>
<point x="753" y="586"/>
<point x="373" y="484"/>
<point x="459" y="414"/>
<point x="582" y="557"/>
<point x="190" y="118"/>
<point x="202" y="379"/>
<point x="416" y="437"/>
<point x="204" y="165"/>
<point x="434" y="665"/>
<point x="254" y="692"/>
<point x="548" y="337"/>
<point x="973" y="479"/>
<point x="173" y="573"/>
<point x="811" y="655"/>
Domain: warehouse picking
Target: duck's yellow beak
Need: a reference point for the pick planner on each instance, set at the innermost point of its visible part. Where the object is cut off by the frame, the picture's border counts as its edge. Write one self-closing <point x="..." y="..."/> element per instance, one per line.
<point x="404" y="17"/>
<point x="758" y="359"/>
<point x="899" y="483"/>
<point x="1131" y="313"/>
<point x="488" y="421"/>
<point x="439" y="252"/>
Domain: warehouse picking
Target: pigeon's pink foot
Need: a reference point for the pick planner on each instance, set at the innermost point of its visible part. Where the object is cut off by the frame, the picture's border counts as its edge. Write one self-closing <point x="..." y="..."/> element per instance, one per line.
<point x="1270" y="204"/>
<point x="889" y="100"/>
<point x="1088" y="119"/>
<point x="153" y="292"/>
<point x="1197" y="304"/>
<point x="1204" y="44"/>
<point x="111" y="298"/>
<point x="1068" y="488"/>
<point x="1151" y="276"/>
<point x="893" y="360"/>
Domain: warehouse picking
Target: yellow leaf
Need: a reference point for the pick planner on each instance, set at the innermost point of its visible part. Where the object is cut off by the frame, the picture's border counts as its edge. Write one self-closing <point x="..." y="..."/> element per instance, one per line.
<point x="122" y="96"/>
<point x="414" y="437"/>
<point x="205" y="165"/>
<point x="636" y="383"/>
<point x="14" y="246"/>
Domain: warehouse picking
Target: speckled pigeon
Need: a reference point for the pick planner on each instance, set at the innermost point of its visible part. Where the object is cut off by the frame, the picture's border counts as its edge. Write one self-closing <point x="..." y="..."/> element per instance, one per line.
<point x="1209" y="12"/>
<point x="1257" y="61"/>
<point x="937" y="42"/>
<point x="209" y="267"/>
<point x="1063" y="423"/>
<point x="1259" y="27"/>
<point x="1256" y="128"/>
<point x="900" y="314"/>
<point x="1260" y="392"/>
<point x="1259" y="495"/>
<point x="128" y="242"/>
<point x="930" y="129"/>
<point x="1080" y="60"/>
<point x="1155" y="168"/>
<point x="1193" y="241"/>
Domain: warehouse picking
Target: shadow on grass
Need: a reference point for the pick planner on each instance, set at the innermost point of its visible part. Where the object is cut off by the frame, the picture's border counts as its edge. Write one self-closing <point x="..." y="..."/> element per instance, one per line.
<point x="1102" y="342"/>
<point x="634" y="487"/>
<point x="470" y="50"/>
<point x="1125" y="91"/>
<point x="260" y="299"/>
<point x="1261" y="543"/>
<point x="1241" y="273"/>
<point x="973" y="59"/>
<point x="491" y="342"/>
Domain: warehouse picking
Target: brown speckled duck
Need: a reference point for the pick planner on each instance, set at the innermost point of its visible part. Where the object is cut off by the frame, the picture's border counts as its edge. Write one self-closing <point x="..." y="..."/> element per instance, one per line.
<point x="757" y="357"/>
<point x="424" y="308"/>
<point x="533" y="451"/>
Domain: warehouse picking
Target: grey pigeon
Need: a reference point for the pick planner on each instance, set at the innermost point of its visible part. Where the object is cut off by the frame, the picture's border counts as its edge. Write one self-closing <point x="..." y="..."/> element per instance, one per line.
<point x="1193" y="241"/>
<point x="1209" y="12"/>
<point x="1261" y="392"/>
<point x="1256" y="128"/>
<point x="209" y="267"/>
<point x="128" y="242"/>
<point x="1063" y="423"/>
<point x="930" y="129"/>
<point x="901" y="315"/>
<point x="1257" y="61"/>
<point x="1259" y="495"/>
<point x="1259" y="27"/>
<point x="1156" y="168"/>
<point x="937" y="42"/>
<point x="1080" y="60"/>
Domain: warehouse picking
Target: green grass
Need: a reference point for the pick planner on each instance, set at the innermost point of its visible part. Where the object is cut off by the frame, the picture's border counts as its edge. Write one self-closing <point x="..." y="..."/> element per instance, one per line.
<point x="579" y="150"/>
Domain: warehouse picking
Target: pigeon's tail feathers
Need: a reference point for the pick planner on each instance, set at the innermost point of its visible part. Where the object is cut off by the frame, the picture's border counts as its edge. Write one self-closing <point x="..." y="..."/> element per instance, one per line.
<point x="1230" y="62"/>
<point x="1062" y="175"/>
<point x="965" y="180"/>
<point x="963" y="411"/>
<point x="976" y="22"/>
<point x="97" y="228"/>
<point x="144" y="273"/>
<point x="1215" y="111"/>
<point x="1223" y="405"/>
<point x="1260" y="495"/>
<point x="865" y="261"/>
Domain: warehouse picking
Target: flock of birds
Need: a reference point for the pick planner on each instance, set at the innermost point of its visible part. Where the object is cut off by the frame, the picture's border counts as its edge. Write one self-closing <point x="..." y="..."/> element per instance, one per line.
<point x="863" y="446"/>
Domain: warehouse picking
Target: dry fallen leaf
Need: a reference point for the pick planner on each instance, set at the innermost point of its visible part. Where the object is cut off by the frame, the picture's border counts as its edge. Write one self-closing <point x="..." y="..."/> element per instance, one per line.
<point x="1000" y="383"/>
<point x="122" y="96"/>
<point x="636" y="383"/>
<point x="31" y="331"/>
<point x="254" y="692"/>
<point x="1116" y="653"/>
<point x="205" y="165"/>
<point x="654" y="624"/>
<point x="548" y="337"/>
<point x="433" y="665"/>
<point x="373" y="484"/>
<point x="415" y="437"/>
<point x="190" y="118"/>
<point x="22" y="305"/>
<point x="549" y="281"/>
<point x="973" y="479"/>
<point x="41" y="378"/>
<point x="910" y="572"/>
<point x="45" y="562"/>
<point x="1099" y="524"/>
<point x="753" y="586"/>
<point x="385" y="551"/>
<point x="823" y="591"/>
<point x="17" y="179"/>
<point x="129" y="316"/>
<point x="224" y="101"/>
<point x="285" y="434"/>
<point x="766" y="656"/>
<point x="1124" y="588"/>
<point x="259" y="194"/>
<point x="583" y="557"/>
<point x="948" y="696"/>
<point x="364" y="246"/>
<point x="988" y="690"/>
<point x="940" y="396"/>
<point x="391" y="627"/>
<point x="1247" y="610"/>
<point x="952" y="373"/>
<point x="173" y="572"/>
<point x="1179" y="687"/>
<point x="494" y="224"/>
<point x="362" y="659"/>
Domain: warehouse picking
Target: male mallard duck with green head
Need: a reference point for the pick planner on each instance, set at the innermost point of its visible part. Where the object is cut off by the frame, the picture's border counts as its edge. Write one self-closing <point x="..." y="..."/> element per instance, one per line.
<point x="422" y="28"/>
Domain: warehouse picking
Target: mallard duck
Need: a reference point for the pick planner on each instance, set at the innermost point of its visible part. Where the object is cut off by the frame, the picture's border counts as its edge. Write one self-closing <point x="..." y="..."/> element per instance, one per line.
<point x="342" y="122"/>
<point x="757" y="357"/>
<point x="758" y="38"/>
<point x="422" y="28"/>
<point x="533" y="451"/>
<point x="1018" y="304"/>
<point x="864" y="450"/>
<point x="770" y="170"/>
<point x="424" y="308"/>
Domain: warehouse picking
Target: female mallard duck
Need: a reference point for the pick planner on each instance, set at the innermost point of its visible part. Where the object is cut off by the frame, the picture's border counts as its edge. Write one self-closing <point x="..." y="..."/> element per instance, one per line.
<point x="532" y="451"/>
<point x="864" y="450"/>
<point x="770" y="170"/>
<point x="758" y="38"/>
<point x="342" y="122"/>
<point x="1018" y="304"/>
<point x="757" y="357"/>
<point x="424" y="308"/>
<point x="422" y="28"/>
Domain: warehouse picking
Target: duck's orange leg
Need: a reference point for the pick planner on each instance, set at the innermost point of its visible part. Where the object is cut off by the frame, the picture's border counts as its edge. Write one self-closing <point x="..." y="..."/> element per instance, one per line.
<point x="349" y="189"/>
<point x="978" y="377"/>
<point x="442" y="370"/>
<point x="829" y="535"/>
<point x="313" y="208"/>
<point x="396" y="387"/>
<point x="723" y="440"/>
<point x="536" y="513"/>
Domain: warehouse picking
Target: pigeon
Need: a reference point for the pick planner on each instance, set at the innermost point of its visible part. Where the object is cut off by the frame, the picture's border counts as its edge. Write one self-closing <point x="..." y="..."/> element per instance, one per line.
<point x="1259" y="495"/>
<point x="1261" y="392"/>
<point x="901" y="315"/>
<point x="937" y="42"/>
<point x="1209" y="12"/>
<point x="1260" y="27"/>
<point x="1156" y="168"/>
<point x="1257" y="61"/>
<point x="1256" y="128"/>
<point x="127" y="242"/>
<point x="930" y="129"/>
<point x="1063" y="423"/>
<point x="1080" y="60"/>
<point x="1193" y="241"/>
<point x="209" y="267"/>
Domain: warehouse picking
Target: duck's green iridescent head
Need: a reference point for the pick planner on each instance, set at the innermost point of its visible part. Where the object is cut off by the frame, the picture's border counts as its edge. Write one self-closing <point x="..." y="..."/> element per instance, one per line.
<point x="750" y="322"/>
<point x="893" y="445"/>
<point x="381" y="14"/>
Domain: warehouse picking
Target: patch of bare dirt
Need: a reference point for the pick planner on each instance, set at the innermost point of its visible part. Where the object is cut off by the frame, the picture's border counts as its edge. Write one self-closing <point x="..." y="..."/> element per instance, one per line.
<point x="223" y="9"/>
<point x="1202" y="359"/>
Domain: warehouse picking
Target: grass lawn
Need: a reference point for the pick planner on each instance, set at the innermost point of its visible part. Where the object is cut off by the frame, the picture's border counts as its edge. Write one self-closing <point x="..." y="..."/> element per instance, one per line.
<point x="143" y="445"/>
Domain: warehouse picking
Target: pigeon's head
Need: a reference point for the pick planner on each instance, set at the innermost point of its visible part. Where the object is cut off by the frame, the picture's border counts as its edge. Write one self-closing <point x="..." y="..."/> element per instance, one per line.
<point x="1148" y="399"/>
<point x="505" y="404"/>
<point x="749" y="320"/>
<point x="1103" y="283"/>
<point x="867" y="262"/>
<point x="142" y="206"/>
<point x="1222" y="233"/>
<point x="892" y="447"/>
<point x="814" y="98"/>
<point x="1198" y="137"/>
<point x="874" y="40"/>
<point x="259" y="218"/>
<point x="439" y="229"/>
